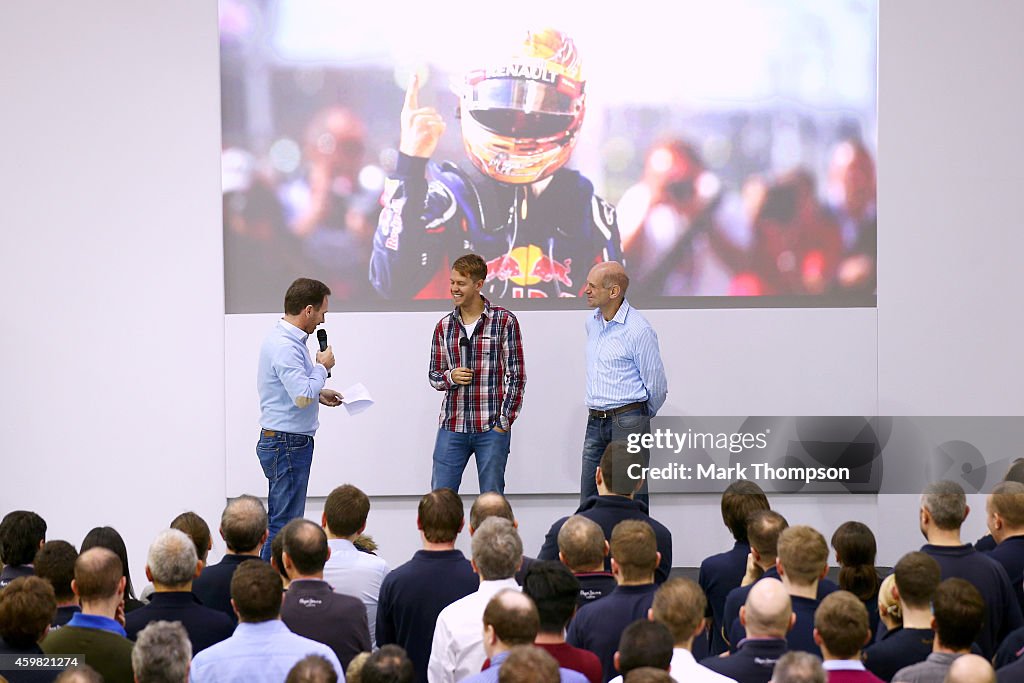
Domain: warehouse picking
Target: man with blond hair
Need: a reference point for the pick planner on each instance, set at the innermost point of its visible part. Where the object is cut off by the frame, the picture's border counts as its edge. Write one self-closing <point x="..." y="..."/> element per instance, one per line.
<point x="1005" y="520"/>
<point x="680" y="605"/>
<point x="802" y="563"/>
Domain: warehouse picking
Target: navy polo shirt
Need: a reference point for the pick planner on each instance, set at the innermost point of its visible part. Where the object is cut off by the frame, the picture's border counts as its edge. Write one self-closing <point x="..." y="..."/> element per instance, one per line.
<point x="598" y="626"/>
<point x="719" y="574"/>
<point x="897" y="649"/>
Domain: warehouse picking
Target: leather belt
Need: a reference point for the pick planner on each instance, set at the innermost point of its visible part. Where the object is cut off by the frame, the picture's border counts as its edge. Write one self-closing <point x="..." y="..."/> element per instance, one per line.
<point x="605" y="414"/>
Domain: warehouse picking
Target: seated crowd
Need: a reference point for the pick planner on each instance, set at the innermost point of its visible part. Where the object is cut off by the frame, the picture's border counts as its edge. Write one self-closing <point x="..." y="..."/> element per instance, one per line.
<point x="598" y="603"/>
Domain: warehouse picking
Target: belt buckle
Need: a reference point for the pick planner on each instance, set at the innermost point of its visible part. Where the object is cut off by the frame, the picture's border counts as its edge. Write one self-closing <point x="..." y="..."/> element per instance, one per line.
<point x="269" y="433"/>
<point x="602" y="414"/>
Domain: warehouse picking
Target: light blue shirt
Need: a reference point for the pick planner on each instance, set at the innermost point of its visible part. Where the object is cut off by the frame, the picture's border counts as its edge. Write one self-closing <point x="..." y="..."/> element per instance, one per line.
<point x="97" y="621"/>
<point x="490" y="674"/>
<point x="350" y="571"/>
<point x="623" y="361"/>
<point x="289" y="382"/>
<point x="264" y="651"/>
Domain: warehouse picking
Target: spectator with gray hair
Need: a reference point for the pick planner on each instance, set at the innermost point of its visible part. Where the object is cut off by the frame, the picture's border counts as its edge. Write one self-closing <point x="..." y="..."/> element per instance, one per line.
<point x="243" y="526"/>
<point x="583" y="548"/>
<point x="83" y="673"/>
<point x="457" y="650"/>
<point x="942" y="513"/>
<point x="798" y="667"/>
<point x="494" y="504"/>
<point x="162" y="653"/>
<point x="171" y="565"/>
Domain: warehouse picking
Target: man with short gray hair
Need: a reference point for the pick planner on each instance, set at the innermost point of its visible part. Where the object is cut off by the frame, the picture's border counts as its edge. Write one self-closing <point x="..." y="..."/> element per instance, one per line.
<point x="798" y="667"/>
<point x="943" y="511"/>
<point x="583" y="548"/>
<point x="171" y="565"/>
<point x="162" y="653"/>
<point x="457" y="649"/>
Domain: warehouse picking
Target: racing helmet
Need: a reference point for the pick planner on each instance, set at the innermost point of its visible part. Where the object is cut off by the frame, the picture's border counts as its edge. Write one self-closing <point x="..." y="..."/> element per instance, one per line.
<point x="520" y="118"/>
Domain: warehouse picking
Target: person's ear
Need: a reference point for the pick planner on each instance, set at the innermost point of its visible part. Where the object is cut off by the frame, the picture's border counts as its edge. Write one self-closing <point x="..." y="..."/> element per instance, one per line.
<point x="792" y="622"/>
<point x="199" y="570"/>
<point x="615" y="661"/>
<point x="650" y="614"/>
<point x="607" y="548"/>
<point x="743" y="615"/>
<point x="967" y="511"/>
<point x="816" y="635"/>
<point x="234" y="607"/>
<point x="778" y="567"/>
<point x="149" y="574"/>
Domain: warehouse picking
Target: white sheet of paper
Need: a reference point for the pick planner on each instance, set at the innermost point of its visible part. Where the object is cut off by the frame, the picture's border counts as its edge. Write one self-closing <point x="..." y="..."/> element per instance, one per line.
<point x="357" y="398"/>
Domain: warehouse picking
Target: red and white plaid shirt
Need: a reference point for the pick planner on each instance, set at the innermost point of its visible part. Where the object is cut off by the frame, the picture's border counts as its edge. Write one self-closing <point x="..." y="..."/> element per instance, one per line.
<point x="495" y="395"/>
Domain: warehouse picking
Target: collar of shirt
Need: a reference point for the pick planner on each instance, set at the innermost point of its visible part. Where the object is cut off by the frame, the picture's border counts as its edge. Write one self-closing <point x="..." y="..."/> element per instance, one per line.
<point x="97" y="621"/>
<point x="843" y="665"/>
<point x="292" y="331"/>
<point x="619" y="317"/>
<point x="457" y="314"/>
<point x="270" y="628"/>
<point x="497" y="659"/>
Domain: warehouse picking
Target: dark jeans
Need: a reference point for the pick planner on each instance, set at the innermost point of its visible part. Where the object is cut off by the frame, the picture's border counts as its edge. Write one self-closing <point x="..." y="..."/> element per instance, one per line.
<point x="286" y="459"/>
<point x="600" y="433"/>
<point x="451" y="455"/>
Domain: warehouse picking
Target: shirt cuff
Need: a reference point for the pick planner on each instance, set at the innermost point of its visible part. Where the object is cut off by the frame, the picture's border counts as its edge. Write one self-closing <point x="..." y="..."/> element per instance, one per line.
<point x="411" y="167"/>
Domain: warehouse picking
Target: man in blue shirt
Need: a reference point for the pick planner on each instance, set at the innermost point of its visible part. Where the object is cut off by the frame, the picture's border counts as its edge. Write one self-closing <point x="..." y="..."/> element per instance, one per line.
<point x="626" y="384"/>
<point x="291" y="387"/>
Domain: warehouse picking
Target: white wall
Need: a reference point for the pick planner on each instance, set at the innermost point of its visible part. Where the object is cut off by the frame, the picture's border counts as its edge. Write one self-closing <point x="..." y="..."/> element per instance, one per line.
<point x="111" y="251"/>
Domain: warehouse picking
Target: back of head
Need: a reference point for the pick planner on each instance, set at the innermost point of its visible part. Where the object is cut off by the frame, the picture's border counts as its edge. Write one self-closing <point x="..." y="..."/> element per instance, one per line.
<point x="842" y="621"/>
<point x="946" y="502"/>
<point x="554" y="590"/>
<point x="645" y="643"/>
<point x="27" y="606"/>
<point x="1007" y="500"/>
<point x="497" y="549"/>
<point x="172" y="559"/>
<point x="306" y="546"/>
<point x="679" y="604"/>
<point x="970" y="668"/>
<point x="83" y="673"/>
<point x="513" y="616"/>
<point x="739" y="500"/>
<point x="855" y="545"/>
<point x="243" y="523"/>
<point x="389" y="664"/>
<point x="256" y="591"/>
<point x="798" y="667"/>
<point x="196" y="528"/>
<point x="312" y="669"/>
<point x="441" y="515"/>
<point x="109" y="538"/>
<point x="768" y="610"/>
<point x="803" y="554"/>
<point x="162" y="653"/>
<point x="21" y="532"/>
<point x="581" y="541"/>
<point x="489" y="504"/>
<point x="959" y="613"/>
<point x="1015" y="471"/>
<point x="304" y="292"/>
<point x="55" y="562"/>
<point x="635" y="550"/>
<point x="528" y="664"/>
<point x="648" y="674"/>
<point x="98" y="573"/>
<point x="620" y="468"/>
<point x="346" y="510"/>
<point x="763" y="530"/>
<point x="887" y="600"/>
<point x="917" y="575"/>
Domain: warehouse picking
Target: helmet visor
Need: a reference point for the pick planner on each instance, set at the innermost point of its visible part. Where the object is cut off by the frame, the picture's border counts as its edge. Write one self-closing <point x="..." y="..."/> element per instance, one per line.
<point x="520" y="108"/>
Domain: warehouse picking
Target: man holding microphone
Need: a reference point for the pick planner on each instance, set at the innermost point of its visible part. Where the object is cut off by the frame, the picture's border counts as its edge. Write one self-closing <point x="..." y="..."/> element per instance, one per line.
<point x="291" y="389"/>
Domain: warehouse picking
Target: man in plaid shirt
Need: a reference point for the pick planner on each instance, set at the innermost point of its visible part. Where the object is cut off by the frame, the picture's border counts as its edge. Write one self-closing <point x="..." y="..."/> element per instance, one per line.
<point x="476" y="358"/>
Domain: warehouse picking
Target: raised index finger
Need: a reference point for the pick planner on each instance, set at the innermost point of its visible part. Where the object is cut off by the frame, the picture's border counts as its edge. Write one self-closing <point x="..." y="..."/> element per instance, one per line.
<point x="412" y="93"/>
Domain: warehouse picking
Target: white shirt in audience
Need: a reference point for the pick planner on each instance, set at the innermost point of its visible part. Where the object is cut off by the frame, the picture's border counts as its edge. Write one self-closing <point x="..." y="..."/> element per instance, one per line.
<point x="350" y="571"/>
<point x="685" y="668"/>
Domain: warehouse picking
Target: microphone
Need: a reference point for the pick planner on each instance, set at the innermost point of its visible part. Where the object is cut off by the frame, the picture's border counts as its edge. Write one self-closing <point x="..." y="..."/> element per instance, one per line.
<point x="466" y="352"/>
<point x="321" y="336"/>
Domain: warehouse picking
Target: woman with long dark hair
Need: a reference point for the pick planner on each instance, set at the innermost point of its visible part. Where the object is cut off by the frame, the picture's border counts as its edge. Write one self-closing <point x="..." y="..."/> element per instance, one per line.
<point x="107" y="537"/>
<point x="855" y="548"/>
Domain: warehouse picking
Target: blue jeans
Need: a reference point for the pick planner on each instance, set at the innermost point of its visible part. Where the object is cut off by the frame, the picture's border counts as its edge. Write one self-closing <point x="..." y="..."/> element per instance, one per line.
<point x="600" y="433"/>
<point x="451" y="455"/>
<point x="286" y="459"/>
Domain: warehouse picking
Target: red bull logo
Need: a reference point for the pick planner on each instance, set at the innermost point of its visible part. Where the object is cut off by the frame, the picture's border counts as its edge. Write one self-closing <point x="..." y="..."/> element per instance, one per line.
<point x="529" y="266"/>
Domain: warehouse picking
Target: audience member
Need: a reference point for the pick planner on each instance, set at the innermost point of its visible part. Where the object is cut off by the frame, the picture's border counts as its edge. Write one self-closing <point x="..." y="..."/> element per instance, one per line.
<point x="243" y="526"/>
<point x="943" y="511"/>
<point x="599" y="625"/>
<point x="648" y="674"/>
<point x="171" y="565"/>
<point x="83" y="673"/>
<point x="798" y="667"/>
<point x="312" y="669"/>
<point x="350" y="571"/>
<point x="27" y="606"/>
<point x="109" y="538"/>
<point x="353" y="674"/>
<point x="162" y="653"/>
<point x="680" y="605"/>
<point x="959" y="612"/>
<point x="614" y="503"/>
<point x="457" y="650"/>
<point x="855" y="549"/>
<point x="583" y="549"/>
<point x="890" y="616"/>
<point x="311" y="609"/>
<point x="802" y="563"/>
<point x="763" y="530"/>
<point x="767" y="616"/>
<point x="22" y="534"/>
<point x="95" y="631"/>
<point x="723" y="572"/>
<point x="55" y="562"/>
<point x="261" y="648"/>
<point x="406" y="611"/>
<point x="493" y="504"/>
<point x="1005" y="520"/>
<point x="1014" y="473"/>
<point x="916" y="576"/>
<point x="643" y="644"/>
<point x="970" y="668"/>
<point x="389" y="664"/>
<point x="510" y="619"/>
<point x="841" y="629"/>
<point x="554" y="590"/>
<point x="528" y="664"/>
<point x="277" y="559"/>
<point x="196" y="528"/>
